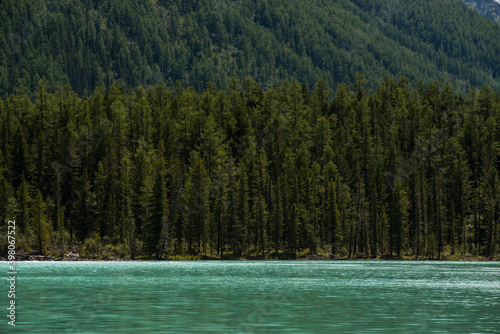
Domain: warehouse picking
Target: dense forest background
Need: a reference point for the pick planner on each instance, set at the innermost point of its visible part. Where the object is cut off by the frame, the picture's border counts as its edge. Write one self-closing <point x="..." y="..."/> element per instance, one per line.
<point x="246" y="172"/>
<point x="173" y="128"/>
<point x="91" y="43"/>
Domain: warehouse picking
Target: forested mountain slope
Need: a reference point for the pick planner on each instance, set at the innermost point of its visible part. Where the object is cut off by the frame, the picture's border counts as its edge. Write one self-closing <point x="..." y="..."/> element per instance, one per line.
<point x="89" y="43"/>
<point x="489" y="8"/>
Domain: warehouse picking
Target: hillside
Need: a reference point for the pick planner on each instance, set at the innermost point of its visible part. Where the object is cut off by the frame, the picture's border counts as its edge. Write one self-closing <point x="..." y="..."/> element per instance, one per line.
<point x="489" y="8"/>
<point x="89" y="43"/>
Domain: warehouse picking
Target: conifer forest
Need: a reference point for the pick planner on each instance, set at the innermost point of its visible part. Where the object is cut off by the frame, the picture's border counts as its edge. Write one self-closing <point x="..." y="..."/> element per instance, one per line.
<point x="399" y="171"/>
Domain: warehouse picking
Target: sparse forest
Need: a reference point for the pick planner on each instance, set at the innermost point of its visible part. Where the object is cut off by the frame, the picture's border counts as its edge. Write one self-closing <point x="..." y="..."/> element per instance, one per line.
<point x="249" y="173"/>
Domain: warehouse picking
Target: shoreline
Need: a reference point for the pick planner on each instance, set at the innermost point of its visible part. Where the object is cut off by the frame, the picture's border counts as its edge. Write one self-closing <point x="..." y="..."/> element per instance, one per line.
<point x="75" y="257"/>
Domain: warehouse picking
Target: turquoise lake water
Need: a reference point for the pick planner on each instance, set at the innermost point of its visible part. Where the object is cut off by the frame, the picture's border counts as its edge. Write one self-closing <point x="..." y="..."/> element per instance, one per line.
<point x="256" y="297"/>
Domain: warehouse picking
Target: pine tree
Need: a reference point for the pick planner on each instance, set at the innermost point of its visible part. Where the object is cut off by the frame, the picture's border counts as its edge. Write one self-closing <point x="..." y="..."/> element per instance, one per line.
<point x="491" y="193"/>
<point x="197" y="206"/>
<point x="459" y="191"/>
<point x="24" y="206"/>
<point x="399" y="219"/>
<point x="21" y="161"/>
<point x="158" y="226"/>
<point x="84" y="218"/>
<point x="142" y="183"/>
<point x="6" y="192"/>
<point x="243" y="231"/>
<point x="58" y="210"/>
<point x="261" y="223"/>
<point x="332" y="214"/>
<point x="41" y="232"/>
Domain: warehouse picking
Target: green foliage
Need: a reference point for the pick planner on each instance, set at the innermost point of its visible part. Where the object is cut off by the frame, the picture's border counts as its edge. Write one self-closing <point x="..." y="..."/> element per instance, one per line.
<point x="41" y="227"/>
<point x="196" y="205"/>
<point x="91" y="247"/>
<point x="399" y="219"/>
<point x="91" y="44"/>
<point x="243" y="172"/>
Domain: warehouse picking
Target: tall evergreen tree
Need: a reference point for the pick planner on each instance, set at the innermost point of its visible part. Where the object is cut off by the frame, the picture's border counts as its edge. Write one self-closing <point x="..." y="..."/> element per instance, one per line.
<point x="399" y="219"/>
<point x="41" y="228"/>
